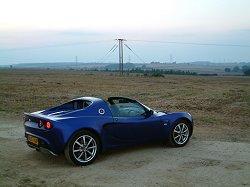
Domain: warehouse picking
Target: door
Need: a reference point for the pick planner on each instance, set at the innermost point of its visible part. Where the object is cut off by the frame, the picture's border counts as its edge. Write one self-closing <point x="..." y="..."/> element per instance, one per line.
<point x="137" y="129"/>
<point x="133" y="122"/>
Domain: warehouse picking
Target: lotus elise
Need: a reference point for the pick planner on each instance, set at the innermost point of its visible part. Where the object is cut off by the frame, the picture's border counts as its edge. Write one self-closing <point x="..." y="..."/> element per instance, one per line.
<point x="83" y="127"/>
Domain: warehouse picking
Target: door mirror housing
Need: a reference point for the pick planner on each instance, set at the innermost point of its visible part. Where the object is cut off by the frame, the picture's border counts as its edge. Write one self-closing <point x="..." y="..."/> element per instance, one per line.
<point x="149" y="113"/>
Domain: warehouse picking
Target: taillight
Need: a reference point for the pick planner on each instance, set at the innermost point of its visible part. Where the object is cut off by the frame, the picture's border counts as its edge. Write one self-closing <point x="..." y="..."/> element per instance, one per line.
<point x="48" y="125"/>
<point x="24" y="118"/>
<point x="40" y="124"/>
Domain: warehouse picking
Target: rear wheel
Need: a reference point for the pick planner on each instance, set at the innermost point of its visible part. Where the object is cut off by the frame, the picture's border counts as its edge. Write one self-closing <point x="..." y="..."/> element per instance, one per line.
<point x="180" y="133"/>
<point x="82" y="149"/>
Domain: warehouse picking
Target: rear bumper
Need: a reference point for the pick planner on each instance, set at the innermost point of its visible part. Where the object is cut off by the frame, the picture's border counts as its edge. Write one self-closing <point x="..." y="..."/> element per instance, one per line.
<point x="42" y="146"/>
<point x="50" y="140"/>
<point x="39" y="148"/>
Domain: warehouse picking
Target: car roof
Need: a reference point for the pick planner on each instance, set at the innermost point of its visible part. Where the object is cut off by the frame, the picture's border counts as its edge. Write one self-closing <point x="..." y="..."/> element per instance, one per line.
<point x="92" y="99"/>
<point x="120" y="97"/>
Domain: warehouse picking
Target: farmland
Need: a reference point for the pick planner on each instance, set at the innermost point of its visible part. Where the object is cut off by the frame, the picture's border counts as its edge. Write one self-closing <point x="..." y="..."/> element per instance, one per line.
<point x="220" y="106"/>
<point x="212" y="100"/>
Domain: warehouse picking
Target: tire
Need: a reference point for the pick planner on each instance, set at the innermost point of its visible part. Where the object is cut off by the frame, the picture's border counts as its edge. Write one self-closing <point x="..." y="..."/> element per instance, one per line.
<point x="180" y="133"/>
<point x="82" y="149"/>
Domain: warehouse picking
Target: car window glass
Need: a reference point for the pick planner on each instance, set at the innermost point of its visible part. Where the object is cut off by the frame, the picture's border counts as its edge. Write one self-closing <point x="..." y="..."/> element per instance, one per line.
<point x="75" y="105"/>
<point x="126" y="108"/>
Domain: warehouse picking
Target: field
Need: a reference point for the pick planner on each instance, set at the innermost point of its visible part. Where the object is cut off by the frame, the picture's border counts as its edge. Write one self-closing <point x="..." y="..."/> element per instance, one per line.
<point x="217" y="154"/>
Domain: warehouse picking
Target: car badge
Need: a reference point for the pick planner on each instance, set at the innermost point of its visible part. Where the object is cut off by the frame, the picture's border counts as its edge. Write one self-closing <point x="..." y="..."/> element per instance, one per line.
<point x="101" y="111"/>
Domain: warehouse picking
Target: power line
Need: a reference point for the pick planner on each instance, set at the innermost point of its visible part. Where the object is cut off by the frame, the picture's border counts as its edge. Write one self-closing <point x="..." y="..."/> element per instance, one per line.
<point x="121" y="43"/>
<point x="146" y="41"/>
<point x="191" y="43"/>
<point x="135" y="53"/>
<point x="55" y="45"/>
<point x="108" y="53"/>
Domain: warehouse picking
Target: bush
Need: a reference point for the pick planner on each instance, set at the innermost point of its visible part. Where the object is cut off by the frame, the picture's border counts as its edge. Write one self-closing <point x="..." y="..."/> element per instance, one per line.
<point x="155" y="74"/>
<point x="236" y="69"/>
<point x="247" y="72"/>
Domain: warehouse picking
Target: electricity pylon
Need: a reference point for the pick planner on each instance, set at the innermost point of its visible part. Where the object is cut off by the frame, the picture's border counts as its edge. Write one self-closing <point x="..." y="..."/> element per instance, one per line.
<point x="121" y="55"/>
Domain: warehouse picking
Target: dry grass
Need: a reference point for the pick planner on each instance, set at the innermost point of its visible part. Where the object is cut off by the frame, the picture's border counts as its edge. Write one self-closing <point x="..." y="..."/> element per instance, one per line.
<point x="213" y="101"/>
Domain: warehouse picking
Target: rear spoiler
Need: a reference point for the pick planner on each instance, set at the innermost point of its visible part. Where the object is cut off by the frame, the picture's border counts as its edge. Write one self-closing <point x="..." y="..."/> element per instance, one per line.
<point x="40" y="120"/>
<point x="36" y="117"/>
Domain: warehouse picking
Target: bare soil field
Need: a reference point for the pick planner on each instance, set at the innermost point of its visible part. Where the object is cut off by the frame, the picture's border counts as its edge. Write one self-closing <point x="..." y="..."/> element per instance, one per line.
<point x="218" y="153"/>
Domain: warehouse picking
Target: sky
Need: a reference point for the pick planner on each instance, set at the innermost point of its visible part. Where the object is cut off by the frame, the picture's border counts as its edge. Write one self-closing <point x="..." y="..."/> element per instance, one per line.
<point x="33" y="31"/>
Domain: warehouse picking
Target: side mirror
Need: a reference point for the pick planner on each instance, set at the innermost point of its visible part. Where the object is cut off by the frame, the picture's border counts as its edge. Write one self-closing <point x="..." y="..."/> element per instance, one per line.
<point x="149" y="113"/>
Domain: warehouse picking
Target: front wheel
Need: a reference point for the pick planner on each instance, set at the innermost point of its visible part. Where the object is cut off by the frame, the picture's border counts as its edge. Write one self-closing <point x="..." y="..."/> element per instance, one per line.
<point x="82" y="148"/>
<point x="180" y="133"/>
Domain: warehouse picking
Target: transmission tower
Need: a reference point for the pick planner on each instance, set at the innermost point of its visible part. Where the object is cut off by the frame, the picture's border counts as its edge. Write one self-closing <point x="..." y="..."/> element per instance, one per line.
<point x="121" y="55"/>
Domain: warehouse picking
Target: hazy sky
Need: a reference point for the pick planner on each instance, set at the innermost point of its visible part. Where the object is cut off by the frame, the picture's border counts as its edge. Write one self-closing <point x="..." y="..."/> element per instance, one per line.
<point x="57" y="30"/>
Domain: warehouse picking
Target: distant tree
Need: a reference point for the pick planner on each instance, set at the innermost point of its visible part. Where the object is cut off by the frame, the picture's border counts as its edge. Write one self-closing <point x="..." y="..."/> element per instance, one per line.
<point x="246" y="70"/>
<point x="236" y="69"/>
<point x="227" y="70"/>
<point x="247" y="73"/>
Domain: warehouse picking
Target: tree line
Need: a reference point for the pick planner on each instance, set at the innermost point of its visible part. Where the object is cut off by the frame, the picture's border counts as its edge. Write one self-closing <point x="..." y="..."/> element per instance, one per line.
<point x="245" y="69"/>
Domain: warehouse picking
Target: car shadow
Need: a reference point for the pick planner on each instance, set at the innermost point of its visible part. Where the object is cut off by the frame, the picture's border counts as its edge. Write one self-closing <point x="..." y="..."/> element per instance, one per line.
<point x="45" y="160"/>
<point x="126" y="151"/>
<point x="41" y="159"/>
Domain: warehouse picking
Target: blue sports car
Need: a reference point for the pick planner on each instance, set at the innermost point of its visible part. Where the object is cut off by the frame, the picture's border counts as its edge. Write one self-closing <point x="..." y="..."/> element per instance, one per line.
<point x="83" y="127"/>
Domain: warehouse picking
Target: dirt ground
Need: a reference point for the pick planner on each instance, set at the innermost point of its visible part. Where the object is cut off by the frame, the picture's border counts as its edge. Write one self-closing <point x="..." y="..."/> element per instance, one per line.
<point x="218" y="153"/>
<point x="205" y="161"/>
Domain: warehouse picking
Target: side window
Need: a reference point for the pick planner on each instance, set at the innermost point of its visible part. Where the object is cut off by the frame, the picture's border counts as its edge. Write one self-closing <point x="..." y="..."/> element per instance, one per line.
<point x="126" y="108"/>
<point x="75" y="105"/>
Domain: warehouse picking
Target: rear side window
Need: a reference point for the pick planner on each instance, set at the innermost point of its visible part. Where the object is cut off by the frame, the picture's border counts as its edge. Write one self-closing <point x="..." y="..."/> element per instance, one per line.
<point x="75" y="105"/>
